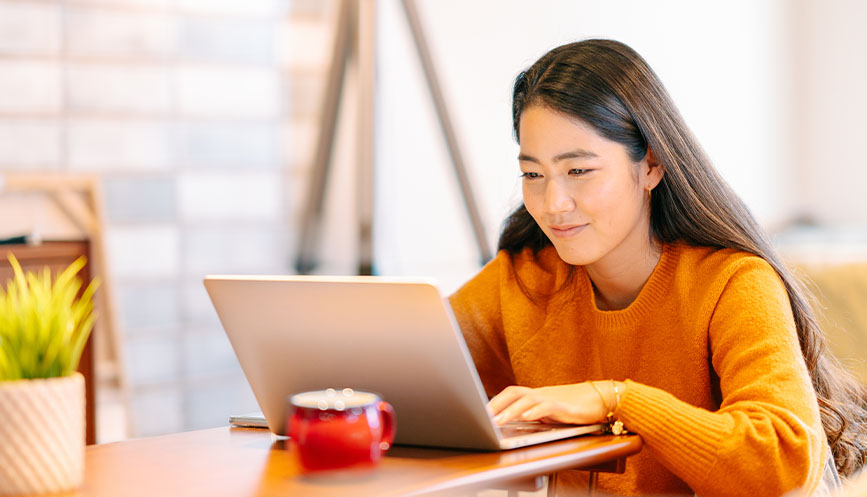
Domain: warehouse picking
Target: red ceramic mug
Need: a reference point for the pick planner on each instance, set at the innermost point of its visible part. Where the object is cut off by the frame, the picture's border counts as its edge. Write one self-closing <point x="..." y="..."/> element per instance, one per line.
<point x="339" y="429"/>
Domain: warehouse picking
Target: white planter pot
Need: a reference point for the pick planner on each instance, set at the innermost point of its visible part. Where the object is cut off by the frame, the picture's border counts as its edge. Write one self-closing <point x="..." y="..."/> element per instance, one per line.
<point x="41" y="435"/>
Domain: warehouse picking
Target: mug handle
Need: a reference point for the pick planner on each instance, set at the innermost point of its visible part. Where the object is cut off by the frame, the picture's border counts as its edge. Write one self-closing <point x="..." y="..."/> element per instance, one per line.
<point x="389" y="424"/>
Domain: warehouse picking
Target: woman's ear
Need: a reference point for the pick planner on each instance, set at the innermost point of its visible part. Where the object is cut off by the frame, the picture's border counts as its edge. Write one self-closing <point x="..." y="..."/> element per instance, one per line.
<point x="653" y="170"/>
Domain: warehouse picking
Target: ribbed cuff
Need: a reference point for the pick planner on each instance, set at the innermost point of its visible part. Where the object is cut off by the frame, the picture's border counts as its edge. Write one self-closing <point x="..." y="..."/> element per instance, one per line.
<point x="685" y="437"/>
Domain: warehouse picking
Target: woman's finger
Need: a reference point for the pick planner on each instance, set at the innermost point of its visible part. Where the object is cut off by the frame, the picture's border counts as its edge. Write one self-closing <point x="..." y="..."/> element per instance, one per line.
<point x="505" y="398"/>
<point x="541" y="411"/>
<point x="517" y="408"/>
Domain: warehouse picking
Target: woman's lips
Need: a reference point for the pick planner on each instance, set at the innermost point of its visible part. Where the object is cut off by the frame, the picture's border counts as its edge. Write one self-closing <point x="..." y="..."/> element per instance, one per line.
<point x="566" y="231"/>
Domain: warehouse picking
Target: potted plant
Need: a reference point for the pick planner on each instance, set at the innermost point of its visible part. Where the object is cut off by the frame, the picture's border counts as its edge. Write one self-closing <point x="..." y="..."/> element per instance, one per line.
<point x="44" y="324"/>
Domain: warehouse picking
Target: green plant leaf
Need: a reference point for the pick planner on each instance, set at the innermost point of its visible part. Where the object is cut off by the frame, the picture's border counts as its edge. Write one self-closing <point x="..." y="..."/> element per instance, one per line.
<point x="44" y="323"/>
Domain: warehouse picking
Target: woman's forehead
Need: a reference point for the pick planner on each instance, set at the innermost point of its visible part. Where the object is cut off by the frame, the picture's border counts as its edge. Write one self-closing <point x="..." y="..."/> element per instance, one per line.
<point x="544" y="131"/>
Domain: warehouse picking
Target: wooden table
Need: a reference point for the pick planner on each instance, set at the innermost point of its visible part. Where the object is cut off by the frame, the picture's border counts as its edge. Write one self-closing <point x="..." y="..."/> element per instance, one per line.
<point x="240" y="462"/>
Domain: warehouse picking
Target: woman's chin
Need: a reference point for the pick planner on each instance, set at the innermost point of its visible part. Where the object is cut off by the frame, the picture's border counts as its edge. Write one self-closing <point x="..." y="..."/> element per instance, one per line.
<point x="573" y="256"/>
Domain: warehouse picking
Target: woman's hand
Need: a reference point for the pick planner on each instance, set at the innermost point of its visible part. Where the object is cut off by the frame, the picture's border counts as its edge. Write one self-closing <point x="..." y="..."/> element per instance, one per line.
<point x="578" y="403"/>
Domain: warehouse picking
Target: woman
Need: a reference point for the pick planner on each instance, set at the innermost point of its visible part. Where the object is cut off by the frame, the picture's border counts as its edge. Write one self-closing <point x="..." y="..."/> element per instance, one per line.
<point x="633" y="287"/>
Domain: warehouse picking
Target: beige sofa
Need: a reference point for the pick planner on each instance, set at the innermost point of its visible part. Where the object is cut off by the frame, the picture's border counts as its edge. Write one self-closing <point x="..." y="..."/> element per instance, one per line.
<point x="841" y="305"/>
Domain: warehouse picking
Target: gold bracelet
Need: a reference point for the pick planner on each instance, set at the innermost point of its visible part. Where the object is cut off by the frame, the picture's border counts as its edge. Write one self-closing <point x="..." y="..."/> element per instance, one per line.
<point x="610" y="415"/>
<point x="617" y="426"/>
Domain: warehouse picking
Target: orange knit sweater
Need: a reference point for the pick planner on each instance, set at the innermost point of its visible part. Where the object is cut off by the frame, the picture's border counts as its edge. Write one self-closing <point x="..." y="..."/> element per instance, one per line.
<point x="715" y="381"/>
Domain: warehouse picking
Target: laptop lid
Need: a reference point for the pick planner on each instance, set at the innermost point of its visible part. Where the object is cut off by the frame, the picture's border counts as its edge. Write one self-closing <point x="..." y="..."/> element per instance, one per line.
<point x="394" y="337"/>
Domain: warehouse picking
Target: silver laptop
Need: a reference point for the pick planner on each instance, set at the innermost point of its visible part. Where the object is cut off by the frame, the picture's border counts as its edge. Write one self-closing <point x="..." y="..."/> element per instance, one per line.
<point x="397" y="338"/>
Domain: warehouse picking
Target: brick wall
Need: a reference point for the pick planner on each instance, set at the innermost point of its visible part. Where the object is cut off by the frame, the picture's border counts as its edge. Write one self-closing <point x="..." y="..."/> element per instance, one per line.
<point x="187" y="109"/>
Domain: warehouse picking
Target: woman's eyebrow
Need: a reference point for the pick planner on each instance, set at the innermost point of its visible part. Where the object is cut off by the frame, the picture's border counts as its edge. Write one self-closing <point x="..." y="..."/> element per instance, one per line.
<point x="573" y="154"/>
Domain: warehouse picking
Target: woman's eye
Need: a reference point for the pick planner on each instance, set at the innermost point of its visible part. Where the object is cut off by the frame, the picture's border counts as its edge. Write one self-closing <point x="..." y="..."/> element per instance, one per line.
<point x="530" y="175"/>
<point x="578" y="172"/>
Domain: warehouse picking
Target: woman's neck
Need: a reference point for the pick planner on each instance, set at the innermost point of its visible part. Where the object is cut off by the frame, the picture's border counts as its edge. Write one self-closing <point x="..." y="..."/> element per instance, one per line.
<point x="619" y="277"/>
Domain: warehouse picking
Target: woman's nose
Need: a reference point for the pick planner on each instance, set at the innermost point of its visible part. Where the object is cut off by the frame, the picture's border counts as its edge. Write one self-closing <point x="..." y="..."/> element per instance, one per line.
<point x="558" y="198"/>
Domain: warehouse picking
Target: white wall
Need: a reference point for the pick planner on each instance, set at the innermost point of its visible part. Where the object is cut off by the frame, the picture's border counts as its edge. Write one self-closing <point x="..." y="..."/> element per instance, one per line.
<point x="177" y="107"/>
<point x="726" y="66"/>
<point x="831" y="78"/>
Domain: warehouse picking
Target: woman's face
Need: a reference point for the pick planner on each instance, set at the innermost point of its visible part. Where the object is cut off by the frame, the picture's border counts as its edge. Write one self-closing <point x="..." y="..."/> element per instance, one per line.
<point x="583" y="190"/>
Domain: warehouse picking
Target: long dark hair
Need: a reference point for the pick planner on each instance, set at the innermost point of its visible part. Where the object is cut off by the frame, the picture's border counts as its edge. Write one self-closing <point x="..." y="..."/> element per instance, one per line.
<point x="608" y="85"/>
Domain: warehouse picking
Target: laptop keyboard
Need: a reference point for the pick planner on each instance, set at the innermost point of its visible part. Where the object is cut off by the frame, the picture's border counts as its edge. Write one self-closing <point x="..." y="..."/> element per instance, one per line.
<point x="516" y="428"/>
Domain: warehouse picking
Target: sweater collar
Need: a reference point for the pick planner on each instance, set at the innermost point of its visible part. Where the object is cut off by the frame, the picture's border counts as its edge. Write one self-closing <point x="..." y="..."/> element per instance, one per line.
<point x="648" y="298"/>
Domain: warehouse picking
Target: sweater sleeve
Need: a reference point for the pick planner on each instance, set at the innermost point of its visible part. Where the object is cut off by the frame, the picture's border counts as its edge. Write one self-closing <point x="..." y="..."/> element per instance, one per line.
<point x="477" y="309"/>
<point x="766" y="438"/>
